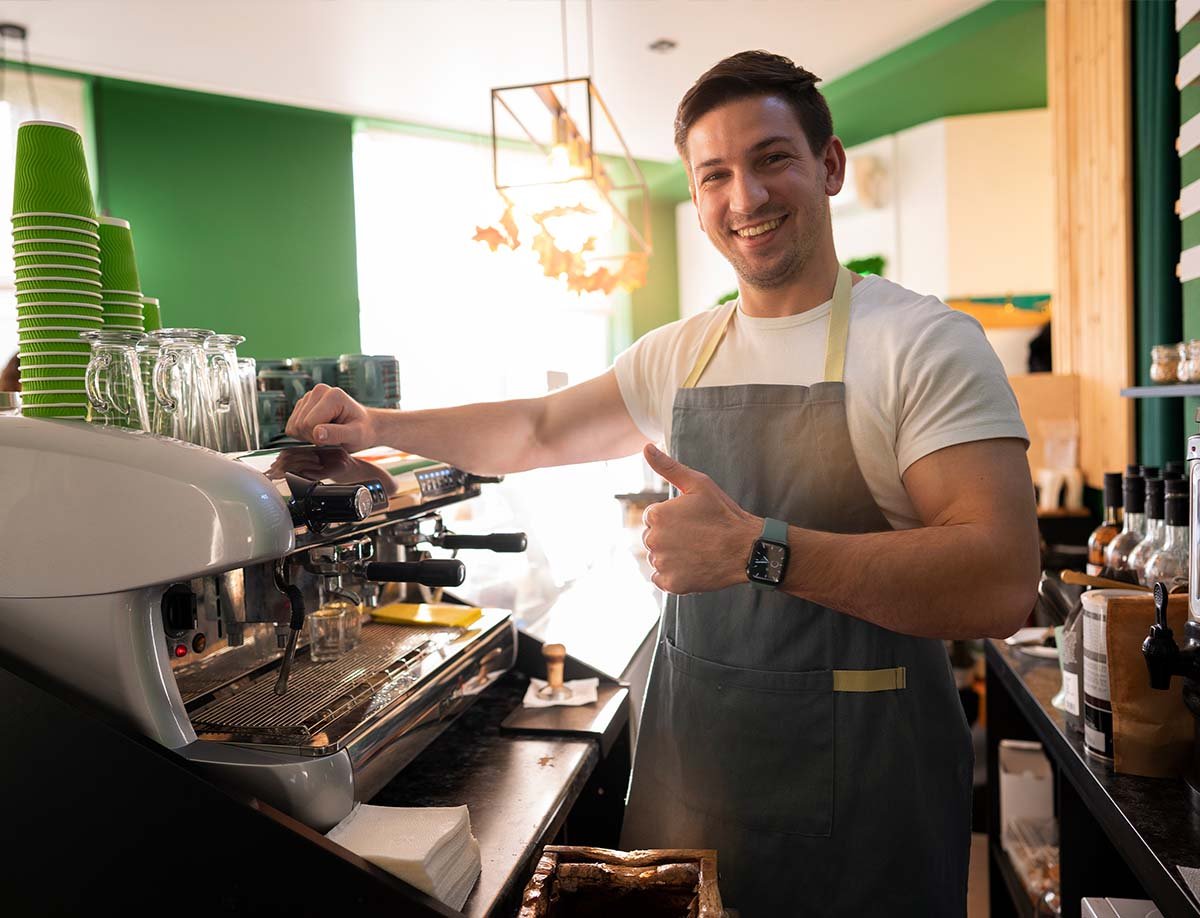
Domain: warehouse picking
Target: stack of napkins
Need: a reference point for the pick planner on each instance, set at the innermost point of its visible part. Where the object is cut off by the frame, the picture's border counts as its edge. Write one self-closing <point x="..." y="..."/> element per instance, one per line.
<point x="431" y="848"/>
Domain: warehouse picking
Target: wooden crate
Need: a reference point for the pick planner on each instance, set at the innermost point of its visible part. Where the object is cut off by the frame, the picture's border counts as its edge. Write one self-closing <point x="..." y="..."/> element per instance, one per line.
<point x="579" y="882"/>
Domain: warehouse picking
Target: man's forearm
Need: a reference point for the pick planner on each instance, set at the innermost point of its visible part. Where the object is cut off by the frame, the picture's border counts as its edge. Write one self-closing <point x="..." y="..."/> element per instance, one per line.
<point x="937" y="581"/>
<point x="489" y="438"/>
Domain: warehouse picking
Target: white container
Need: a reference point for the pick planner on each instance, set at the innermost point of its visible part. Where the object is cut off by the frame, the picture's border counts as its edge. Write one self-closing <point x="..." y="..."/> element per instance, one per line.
<point x="1097" y="701"/>
<point x="1026" y="785"/>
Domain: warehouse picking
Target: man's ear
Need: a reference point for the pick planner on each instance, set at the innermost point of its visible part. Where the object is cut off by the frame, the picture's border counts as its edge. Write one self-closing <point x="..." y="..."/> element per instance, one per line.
<point x="834" y="160"/>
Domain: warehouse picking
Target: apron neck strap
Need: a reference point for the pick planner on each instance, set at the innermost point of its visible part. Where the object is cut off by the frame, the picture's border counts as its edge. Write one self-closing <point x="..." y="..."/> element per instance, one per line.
<point x="835" y="341"/>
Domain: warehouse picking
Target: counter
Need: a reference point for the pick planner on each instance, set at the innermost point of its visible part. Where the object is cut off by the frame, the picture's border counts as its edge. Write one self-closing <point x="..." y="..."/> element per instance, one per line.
<point x="1119" y="835"/>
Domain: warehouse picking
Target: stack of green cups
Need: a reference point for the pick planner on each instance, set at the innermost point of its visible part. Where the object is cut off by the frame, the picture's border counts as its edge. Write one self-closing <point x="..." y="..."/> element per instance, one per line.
<point x="56" y="244"/>
<point x="121" y="288"/>
<point x="151" y="313"/>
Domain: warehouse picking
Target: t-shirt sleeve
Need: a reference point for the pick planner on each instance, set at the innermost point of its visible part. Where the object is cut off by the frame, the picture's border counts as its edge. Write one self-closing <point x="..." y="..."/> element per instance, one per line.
<point x="952" y="389"/>
<point x="641" y="376"/>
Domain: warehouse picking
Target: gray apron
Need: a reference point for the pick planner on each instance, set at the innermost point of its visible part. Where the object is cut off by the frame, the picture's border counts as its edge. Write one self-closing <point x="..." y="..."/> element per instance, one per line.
<point x="826" y="759"/>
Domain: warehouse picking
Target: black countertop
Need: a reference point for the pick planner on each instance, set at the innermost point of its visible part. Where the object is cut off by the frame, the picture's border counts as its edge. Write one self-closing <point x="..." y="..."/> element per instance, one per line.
<point x="518" y="788"/>
<point x="1151" y="821"/>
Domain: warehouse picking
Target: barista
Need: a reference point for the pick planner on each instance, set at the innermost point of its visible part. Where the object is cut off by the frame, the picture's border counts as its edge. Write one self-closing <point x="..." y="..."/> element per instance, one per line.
<point x="852" y="489"/>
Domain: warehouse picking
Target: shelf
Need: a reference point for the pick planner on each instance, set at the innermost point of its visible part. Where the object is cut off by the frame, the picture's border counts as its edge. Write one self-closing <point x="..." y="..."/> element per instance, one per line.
<point x="1170" y="390"/>
<point x="1021" y="899"/>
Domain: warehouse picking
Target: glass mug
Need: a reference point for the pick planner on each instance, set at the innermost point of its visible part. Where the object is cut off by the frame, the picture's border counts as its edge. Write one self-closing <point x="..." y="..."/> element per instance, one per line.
<point x="229" y="402"/>
<point x="272" y="414"/>
<point x="184" y="406"/>
<point x="113" y="380"/>
<point x="374" y="380"/>
<point x="248" y="377"/>
<point x="147" y="354"/>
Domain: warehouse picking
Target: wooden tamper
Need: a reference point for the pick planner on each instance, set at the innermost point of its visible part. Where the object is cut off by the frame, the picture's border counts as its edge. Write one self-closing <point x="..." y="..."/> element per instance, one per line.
<point x="554" y="690"/>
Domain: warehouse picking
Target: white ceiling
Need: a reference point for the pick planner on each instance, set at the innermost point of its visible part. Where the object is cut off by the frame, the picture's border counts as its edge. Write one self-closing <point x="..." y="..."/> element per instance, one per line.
<point x="433" y="61"/>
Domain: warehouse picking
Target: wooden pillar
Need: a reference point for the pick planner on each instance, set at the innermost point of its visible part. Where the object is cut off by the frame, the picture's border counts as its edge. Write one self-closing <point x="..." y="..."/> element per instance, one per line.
<point x="1088" y="72"/>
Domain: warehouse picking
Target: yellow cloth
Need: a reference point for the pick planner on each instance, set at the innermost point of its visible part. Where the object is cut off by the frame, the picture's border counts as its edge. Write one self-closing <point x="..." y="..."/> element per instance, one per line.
<point x="425" y="613"/>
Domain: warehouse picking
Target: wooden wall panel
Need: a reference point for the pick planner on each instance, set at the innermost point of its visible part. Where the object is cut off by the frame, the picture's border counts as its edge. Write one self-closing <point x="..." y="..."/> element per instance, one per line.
<point x="1088" y="84"/>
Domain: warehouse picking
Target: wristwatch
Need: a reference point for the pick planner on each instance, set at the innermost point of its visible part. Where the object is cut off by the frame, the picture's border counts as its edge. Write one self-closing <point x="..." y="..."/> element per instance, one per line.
<point x="769" y="556"/>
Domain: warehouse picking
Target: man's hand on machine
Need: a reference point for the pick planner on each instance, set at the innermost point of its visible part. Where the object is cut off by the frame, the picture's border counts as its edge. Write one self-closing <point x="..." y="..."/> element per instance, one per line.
<point x="699" y="541"/>
<point x="327" y="416"/>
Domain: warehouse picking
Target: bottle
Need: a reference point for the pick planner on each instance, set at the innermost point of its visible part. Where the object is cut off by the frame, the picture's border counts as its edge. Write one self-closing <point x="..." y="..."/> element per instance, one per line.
<point x="1116" y="556"/>
<point x="1155" y="529"/>
<point x="1170" y="563"/>
<point x="1175" y="468"/>
<point x="1106" y="531"/>
<point x="1148" y="471"/>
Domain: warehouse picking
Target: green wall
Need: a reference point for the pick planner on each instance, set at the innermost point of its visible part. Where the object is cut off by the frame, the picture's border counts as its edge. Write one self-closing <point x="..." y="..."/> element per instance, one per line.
<point x="242" y="213"/>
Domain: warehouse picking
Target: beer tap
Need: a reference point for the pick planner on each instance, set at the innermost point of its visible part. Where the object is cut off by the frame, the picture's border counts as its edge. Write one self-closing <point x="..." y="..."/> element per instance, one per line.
<point x="1164" y="658"/>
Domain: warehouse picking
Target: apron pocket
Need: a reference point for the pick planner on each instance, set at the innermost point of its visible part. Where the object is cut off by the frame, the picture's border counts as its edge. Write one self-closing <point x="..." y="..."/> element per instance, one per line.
<point x="753" y="747"/>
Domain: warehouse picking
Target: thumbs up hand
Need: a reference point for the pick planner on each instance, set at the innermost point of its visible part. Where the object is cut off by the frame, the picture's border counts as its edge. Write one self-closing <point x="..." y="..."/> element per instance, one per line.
<point x="699" y="541"/>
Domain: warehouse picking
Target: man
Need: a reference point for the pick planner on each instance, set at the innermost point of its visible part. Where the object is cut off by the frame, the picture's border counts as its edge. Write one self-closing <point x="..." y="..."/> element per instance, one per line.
<point x="852" y="488"/>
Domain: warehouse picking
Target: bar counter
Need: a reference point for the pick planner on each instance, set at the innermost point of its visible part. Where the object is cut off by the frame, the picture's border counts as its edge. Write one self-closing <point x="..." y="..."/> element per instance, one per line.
<point x="1119" y="835"/>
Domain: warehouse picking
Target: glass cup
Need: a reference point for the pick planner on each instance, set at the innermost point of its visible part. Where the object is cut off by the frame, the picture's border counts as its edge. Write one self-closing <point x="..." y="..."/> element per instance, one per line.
<point x="113" y="380"/>
<point x="147" y="353"/>
<point x="184" y="406"/>
<point x="373" y="380"/>
<point x="272" y="415"/>
<point x="248" y="376"/>
<point x="229" y="402"/>
<point x="10" y="404"/>
<point x="327" y="631"/>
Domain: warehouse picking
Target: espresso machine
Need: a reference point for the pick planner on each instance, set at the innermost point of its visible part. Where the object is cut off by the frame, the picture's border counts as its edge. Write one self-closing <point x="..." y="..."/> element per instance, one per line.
<point x="171" y="585"/>
<point x="1164" y="657"/>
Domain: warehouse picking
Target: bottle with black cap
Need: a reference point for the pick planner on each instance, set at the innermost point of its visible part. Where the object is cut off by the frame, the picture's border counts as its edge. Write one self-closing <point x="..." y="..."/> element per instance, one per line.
<point x="1175" y="468"/>
<point x="1116" y="556"/>
<point x="1170" y="563"/>
<point x="1156" y="532"/>
<point x="1103" y="534"/>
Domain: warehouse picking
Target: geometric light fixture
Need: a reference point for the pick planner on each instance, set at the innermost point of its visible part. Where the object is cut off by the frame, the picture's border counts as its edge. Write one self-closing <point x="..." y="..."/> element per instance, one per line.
<point x="583" y="212"/>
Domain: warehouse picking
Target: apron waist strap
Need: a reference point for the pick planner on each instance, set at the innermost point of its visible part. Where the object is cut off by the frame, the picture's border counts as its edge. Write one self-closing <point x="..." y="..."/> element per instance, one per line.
<point x="869" y="680"/>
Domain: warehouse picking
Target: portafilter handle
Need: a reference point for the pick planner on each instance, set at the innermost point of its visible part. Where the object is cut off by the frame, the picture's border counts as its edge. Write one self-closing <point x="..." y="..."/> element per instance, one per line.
<point x="434" y="572"/>
<point x="496" y="541"/>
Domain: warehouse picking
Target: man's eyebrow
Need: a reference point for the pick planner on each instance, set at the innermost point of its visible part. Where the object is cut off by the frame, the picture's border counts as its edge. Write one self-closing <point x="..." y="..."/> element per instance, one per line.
<point x="762" y="144"/>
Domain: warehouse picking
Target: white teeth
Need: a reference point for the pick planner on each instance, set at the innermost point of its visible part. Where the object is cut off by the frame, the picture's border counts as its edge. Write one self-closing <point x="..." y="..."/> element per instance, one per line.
<point x="760" y="229"/>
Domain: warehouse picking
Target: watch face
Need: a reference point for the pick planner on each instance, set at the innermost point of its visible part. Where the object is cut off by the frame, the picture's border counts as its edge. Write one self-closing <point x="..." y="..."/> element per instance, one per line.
<point x="766" y="562"/>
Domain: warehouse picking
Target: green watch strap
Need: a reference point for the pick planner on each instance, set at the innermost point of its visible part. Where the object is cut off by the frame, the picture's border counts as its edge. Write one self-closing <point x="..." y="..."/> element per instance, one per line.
<point x="772" y="531"/>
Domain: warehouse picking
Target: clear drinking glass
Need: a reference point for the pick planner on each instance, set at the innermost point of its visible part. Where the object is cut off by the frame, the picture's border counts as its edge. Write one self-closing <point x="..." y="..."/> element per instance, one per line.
<point x="113" y="380"/>
<point x="327" y="630"/>
<point x="248" y="376"/>
<point x="232" y="418"/>
<point x="147" y="354"/>
<point x="184" y="408"/>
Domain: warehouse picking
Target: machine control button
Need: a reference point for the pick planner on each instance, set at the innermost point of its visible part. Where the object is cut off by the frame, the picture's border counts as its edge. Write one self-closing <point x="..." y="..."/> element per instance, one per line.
<point x="199" y="643"/>
<point x="181" y="650"/>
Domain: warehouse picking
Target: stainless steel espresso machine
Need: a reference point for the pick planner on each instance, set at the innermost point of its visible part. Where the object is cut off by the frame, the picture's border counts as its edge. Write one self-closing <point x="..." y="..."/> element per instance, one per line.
<point x="171" y="584"/>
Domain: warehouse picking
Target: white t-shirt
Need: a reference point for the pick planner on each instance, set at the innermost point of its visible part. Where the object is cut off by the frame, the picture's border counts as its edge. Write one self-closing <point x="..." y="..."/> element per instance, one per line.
<point x="919" y="377"/>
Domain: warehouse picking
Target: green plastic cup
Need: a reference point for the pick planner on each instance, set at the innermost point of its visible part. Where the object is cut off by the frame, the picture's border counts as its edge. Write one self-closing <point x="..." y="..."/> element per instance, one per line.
<point x="57" y="291"/>
<point x="21" y="221"/>
<point x="67" y="259"/>
<point x="73" y="361"/>
<point x="56" y="397"/>
<point x="82" y="323"/>
<point x="58" y="233"/>
<point x="48" y="298"/>
<point x="50" y="171"/>
<point x="69" y="268"/>
<point x="32" y="274"/>
<point x="34" y="284"/>
<point x="151" y="313"/>
<point x="118" y="265"/>
<point x="74" y="309"/>
<point x="120" y="298"/>
<point x="51" y="374"/>
<point x="41" y="245"/>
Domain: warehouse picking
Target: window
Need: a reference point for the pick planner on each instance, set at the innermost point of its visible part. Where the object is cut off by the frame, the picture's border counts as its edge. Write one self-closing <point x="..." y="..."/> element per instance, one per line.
<point x="470" y="325"/>
<point x="62" y="99"/>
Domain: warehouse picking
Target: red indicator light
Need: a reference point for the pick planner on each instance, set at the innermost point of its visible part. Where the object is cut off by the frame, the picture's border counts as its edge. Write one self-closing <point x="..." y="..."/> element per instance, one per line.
<point x="181" y="650"/>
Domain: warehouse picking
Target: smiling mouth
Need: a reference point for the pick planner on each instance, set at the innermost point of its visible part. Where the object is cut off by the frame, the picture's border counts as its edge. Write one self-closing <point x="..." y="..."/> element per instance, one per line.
<point x="759" y="229"/>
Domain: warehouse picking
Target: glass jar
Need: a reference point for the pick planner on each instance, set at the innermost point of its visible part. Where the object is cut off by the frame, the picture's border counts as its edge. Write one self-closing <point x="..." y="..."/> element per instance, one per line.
<point x="1189" y="366"/>
<point x="1164" y="363"/>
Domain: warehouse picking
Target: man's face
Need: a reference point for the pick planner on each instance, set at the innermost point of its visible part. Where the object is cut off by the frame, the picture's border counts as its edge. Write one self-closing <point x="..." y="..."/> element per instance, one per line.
<point x="761" y="195"/>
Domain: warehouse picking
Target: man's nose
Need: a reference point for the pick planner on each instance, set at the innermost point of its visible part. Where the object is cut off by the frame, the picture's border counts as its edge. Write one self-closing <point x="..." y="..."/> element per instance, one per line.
<point x="748" y="193"/>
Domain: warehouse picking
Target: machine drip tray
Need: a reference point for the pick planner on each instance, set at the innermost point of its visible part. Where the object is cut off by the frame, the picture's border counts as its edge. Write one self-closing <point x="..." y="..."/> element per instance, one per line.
<point x="326" y="703"/>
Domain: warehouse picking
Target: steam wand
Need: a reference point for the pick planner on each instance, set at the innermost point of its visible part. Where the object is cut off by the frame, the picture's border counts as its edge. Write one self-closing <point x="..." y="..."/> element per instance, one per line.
<point x="296" y="600"/>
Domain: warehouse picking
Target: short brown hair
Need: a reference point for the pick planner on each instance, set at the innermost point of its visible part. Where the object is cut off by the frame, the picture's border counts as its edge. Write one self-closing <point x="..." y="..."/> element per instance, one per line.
<point x="757" y="73"/>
